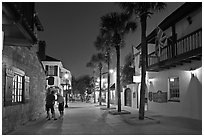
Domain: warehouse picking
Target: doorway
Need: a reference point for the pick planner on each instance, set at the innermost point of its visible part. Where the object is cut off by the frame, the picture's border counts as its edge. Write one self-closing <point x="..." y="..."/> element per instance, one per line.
<point x="128" y="97"/>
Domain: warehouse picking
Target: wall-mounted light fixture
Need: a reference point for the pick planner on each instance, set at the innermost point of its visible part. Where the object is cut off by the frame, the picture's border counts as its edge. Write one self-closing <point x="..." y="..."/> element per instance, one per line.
<point x="171" y="79"/>
<point x="192" y="72"/>
<point x="150" y="80"/>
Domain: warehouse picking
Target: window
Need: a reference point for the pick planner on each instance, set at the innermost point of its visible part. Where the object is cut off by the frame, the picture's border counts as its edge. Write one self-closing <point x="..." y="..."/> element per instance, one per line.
<point x="174" y="93"/>
<point x="17" y="92"/>
<point x="51" y="70"/>
<point x="16" y="88"/>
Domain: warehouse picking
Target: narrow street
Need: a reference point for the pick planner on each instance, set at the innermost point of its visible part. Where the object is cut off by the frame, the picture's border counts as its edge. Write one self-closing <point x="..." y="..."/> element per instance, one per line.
<point x="88" y="119"/>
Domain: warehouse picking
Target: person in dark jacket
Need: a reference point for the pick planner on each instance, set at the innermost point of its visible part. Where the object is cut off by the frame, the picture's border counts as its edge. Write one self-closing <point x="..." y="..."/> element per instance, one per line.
<point x="50" y="101"/>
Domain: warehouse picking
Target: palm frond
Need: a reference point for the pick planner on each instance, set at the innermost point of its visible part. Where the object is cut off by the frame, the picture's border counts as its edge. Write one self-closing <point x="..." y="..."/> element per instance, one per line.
<point x="141" y="8"/>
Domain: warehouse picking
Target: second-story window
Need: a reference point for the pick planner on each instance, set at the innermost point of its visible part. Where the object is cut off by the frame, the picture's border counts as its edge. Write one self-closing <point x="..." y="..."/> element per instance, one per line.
<point x="51" y="70"/>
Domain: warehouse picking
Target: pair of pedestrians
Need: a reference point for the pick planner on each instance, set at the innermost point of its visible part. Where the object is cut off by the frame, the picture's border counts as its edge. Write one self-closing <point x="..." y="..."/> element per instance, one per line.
<point x="50" y="102"/>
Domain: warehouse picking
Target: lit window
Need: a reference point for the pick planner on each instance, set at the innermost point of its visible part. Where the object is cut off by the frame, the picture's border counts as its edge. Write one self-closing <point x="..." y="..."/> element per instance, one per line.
<point x="174" y="93"/>
<point x="17" y="92"/>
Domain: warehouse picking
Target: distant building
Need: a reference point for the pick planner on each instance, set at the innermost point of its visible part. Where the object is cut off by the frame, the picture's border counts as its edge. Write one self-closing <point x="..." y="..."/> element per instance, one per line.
<point x="174" y="70"/>
<point x="56" y="74"/>
<point x="104" y="88"/>
<point x="23" y="77"/>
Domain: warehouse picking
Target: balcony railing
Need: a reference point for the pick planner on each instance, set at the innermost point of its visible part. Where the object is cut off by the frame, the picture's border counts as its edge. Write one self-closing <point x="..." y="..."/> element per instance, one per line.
<point x="189" y="42"/>
<point x="186" y="44"/>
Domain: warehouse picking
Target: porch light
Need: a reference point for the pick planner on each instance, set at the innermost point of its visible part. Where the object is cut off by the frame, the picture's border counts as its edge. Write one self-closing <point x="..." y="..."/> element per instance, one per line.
<point x="193" y="72"/>
<point x="171" y="79"/>
<point x="150" y="80"/>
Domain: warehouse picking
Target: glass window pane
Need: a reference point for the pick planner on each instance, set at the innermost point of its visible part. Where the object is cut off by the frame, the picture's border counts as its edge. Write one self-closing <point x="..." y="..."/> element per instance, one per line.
<point x="174" y="88"/>
<point x="17" y="88"/>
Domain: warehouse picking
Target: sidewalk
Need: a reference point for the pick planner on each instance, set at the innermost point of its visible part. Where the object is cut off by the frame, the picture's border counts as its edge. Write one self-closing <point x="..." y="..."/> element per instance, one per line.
<point x="89" y="119"/>
<point x="173" y="123"/>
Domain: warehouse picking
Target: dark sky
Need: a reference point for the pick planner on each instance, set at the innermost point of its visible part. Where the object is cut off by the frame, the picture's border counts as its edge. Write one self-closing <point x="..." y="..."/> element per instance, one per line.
<point x="71" y="29"/>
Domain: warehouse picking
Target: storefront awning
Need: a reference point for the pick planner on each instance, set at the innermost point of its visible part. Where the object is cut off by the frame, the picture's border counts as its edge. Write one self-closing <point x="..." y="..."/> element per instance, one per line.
<point x="112" y="87"/>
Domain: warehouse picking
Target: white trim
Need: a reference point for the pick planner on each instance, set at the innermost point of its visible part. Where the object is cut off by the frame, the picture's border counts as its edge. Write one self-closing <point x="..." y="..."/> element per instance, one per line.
<point x="18" y="71"/>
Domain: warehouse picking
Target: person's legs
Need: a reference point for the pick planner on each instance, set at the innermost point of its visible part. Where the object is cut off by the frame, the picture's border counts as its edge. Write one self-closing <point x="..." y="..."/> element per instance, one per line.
<point x="48" y="111"/>
<point x="60" y="107"/>
<point x="53" y="112"/>
<point x="62" y="113"/>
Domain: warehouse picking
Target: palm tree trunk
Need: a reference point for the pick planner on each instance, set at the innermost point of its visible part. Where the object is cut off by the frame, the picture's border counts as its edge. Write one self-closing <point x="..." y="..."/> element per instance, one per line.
<point x="108" y="101"/>
<point x="100" y="69"/>
<point x="118" y="77"/>
<point x="144" y="63"/>
<point x="94" y="86"/>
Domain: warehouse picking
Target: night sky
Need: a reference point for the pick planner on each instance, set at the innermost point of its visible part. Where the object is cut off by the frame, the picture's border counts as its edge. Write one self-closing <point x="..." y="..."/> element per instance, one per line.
<point x="71" y="29"/>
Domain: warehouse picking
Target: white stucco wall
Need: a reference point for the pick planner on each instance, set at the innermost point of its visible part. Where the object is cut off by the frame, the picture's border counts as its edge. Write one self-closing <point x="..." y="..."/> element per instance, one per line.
<point x="190" y="89"/>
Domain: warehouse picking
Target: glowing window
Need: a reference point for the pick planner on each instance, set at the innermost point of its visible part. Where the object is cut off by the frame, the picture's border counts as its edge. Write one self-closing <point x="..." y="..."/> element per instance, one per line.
<point x="174" y="93"/>
<point x="17" y="92"/>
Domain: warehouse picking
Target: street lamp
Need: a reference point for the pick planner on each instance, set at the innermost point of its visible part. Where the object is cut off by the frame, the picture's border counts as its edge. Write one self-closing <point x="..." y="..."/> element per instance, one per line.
<point x="66" y="76"/>
<point x="66" y="88"/>
<point x="108" y="86"/>
<point x="66" y="97"/>
<point x="111" y="70"/>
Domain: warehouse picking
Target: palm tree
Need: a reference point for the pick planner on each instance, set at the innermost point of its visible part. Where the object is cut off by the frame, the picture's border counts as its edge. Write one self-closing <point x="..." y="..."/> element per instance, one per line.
<point x="128" y="70"/>
<point x="93" y="66"/>
<point x="98" y="60"/>
<point x="116" y="25"/>
<point x="143" y="10"/>
<point x="103" y="43"/>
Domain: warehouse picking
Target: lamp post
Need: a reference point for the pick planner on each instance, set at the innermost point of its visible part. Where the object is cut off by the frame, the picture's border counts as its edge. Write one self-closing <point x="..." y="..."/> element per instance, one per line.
<point x="66" y="89"/>
<point x="66" y="98"/>
<point x="108" y="100"/>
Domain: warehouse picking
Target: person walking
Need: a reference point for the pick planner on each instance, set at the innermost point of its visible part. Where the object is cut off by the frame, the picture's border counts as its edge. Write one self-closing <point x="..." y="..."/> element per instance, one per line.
<point x="50" y="101"/>
<point x="60" y="101"/>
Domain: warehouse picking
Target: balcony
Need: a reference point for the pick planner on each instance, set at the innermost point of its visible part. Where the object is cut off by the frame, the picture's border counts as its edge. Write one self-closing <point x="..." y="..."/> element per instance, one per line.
<point x="185" y="50"/>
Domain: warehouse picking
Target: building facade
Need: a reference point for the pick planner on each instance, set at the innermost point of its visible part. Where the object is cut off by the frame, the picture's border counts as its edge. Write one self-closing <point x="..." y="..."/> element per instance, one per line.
<point x="23" y="77"/>
<point x="174" y="69"/>
<point x="57" y="76"/>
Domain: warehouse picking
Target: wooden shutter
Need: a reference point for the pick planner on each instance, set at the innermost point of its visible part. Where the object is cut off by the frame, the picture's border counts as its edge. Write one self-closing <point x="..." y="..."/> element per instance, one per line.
<point x="46" y="69"/>
<point x="9" y="87"/>
<point x="55" y="70"/>
<point x="26" y="89"/>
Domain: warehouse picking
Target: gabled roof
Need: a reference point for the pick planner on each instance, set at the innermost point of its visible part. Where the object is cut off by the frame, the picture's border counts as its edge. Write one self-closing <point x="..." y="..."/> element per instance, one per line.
<point x="38" y="24"/>
<point x="48" y="58"/>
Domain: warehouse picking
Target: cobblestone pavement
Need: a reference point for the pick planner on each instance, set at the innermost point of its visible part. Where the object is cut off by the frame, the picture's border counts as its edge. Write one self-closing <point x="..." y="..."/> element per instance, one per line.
<point x="92" y="119"/>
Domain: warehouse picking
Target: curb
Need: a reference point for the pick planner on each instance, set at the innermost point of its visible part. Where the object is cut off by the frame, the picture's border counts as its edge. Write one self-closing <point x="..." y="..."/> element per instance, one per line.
<point x="104" y="108"/>
<point x="99" y="105"/>
<point x="115" y="112"/>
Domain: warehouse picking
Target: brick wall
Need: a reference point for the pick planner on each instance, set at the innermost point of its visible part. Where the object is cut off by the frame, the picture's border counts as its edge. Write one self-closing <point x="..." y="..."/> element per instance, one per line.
<point x="25" y="59"/>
